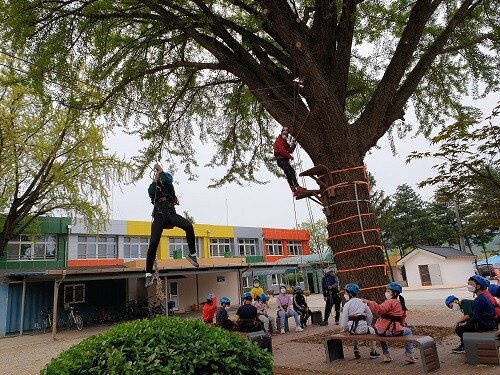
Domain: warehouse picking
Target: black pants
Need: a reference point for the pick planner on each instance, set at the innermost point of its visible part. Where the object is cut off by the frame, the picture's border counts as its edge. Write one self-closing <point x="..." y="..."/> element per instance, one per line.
<point x="332" y="299"/>
<point x="164" y="220"/>
<point x="289" y="172"/>
<point x="474" y="327"/>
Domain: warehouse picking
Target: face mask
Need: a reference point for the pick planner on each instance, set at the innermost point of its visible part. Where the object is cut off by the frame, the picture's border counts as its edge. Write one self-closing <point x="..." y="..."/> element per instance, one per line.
<point x="283" y="291"/>
<point x="388" y="295"/>
<point x="226" y="307"/>
<point x="346" y="296"/>
<point x="456" y="307"/>
<point x="471" y="288"/>
<point x="284" y="136"/>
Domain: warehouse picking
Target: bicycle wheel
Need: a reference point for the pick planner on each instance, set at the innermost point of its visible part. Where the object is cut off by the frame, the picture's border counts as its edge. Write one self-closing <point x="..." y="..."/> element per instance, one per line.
<point x="79" y="322"/>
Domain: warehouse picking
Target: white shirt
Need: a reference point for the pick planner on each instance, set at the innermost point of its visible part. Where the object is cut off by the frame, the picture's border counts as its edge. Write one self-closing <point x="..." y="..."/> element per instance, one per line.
<point x="353" y="307"/>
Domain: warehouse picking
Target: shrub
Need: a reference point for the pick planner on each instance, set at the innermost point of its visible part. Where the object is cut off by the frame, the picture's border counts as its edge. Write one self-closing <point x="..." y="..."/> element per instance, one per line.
<point x="163" y="346"/>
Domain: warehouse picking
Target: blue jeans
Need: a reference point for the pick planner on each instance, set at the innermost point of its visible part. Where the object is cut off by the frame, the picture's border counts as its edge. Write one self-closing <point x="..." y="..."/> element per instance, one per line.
<point x="408" y="345"/>
<point x="293" y="313"/>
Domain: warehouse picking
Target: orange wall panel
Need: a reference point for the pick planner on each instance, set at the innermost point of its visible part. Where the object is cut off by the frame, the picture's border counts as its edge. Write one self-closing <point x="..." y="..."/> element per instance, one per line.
<point x="94" y="262"/>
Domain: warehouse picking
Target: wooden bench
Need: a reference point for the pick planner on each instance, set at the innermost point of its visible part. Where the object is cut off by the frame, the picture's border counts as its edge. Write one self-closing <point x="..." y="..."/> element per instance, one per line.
<point x="482" y="347"/>
<point x="426" y="344"/>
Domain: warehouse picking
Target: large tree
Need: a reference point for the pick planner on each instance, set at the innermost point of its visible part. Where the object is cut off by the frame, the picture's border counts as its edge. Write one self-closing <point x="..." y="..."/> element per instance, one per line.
<point x="229" y="67"/>
<point x="53" y="161"/>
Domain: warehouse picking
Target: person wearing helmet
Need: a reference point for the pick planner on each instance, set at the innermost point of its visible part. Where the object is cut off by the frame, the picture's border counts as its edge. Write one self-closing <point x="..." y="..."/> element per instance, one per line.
<point x="284" y="303"/>
<point x="456" y="304"/>
<point x="357" y="318"/>
<point x="492" y="299"/>
<point x="483" y="313"/>
<point x="300" y="305"/>
<point x="162" y="194"/>
<point x="494" y="290"/>
<point x="246" y="316"/>
<point x="267" y="320"/>
<point x="331" y="295"/>
<point x="221" y="315"/>
<point x="208" y="311"/>
<point x="283" y="153"/>
<point x="392" y="320"/>
<point x="257" y="290"/>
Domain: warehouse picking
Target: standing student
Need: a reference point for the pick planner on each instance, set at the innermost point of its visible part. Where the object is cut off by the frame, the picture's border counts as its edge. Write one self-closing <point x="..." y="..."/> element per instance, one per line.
<point x="208" y="311"/>
<point x="162" y="194"/>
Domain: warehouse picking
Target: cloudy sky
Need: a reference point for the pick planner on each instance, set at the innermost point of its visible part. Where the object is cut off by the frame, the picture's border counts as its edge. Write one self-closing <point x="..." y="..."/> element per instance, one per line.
<point x="269" y="205"/>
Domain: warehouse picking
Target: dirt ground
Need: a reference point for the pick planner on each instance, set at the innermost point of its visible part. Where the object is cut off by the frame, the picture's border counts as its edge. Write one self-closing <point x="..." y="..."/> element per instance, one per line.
<point x="297" y="353"/>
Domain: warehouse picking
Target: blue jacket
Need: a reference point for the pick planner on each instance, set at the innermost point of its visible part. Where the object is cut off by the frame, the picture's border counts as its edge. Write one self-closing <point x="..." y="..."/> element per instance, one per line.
<point x="330" y="280"/>
<point x="483" y="312"/>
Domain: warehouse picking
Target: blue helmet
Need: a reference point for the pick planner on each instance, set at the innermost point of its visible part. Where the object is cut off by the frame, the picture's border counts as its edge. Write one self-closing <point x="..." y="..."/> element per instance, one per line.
<point x="209" y="297"/>
<point x="225" y="300"/>
<point x="449" y="300"/>
<point x="352" y="288"/>
<point x="263" y="297"/>
<point x="479" y="280"/>
<point x="247" y="296"/>
<point x="298" y="288"/>
<point x="395" y="287"/>
<point x="494" y="290"/>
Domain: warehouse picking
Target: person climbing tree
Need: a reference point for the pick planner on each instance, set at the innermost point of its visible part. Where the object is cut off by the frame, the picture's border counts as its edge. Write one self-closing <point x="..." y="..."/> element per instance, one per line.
<point x="283" y="154"/>
<point x="162" y="194"/>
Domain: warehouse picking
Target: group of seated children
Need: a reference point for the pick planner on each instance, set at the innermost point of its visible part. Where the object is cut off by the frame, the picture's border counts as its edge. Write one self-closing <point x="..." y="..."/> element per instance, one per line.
<point x="480" y="314"/>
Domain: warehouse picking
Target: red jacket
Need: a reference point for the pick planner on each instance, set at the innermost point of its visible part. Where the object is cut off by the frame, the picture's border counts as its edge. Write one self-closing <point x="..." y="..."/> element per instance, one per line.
<point x="390" y="307"/>
<point x="493" y="301"/>
<point x="208" y="311"/>
<point x="282" y="150"/>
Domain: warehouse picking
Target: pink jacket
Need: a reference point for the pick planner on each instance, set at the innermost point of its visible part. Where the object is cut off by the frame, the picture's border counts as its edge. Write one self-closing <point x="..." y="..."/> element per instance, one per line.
<point x="390" y="307"/>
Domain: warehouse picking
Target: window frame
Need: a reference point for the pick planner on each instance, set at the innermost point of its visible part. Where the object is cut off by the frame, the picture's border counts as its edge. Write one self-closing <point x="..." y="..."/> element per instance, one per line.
<point x="73" y="288"/>
<point x="271" y="244"/>
<point x="101" y="245"/>
<point x="244" y="244"/>
<point x="142" y="246"/>
<point x="224" y="243"/>
<point x="23" y="243"/>
<point x="292" y="245"/>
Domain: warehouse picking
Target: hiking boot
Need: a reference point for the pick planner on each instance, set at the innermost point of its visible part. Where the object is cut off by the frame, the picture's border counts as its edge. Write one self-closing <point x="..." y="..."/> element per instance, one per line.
<point x="299" y="329"/>
<point x="324" y="323"/>
<point x="459" y="349"/>
<point x="374" y="355"/>
<point x="357" y="354"/>
<point x="149" y="281"/>
<point x="409" y="358"/>
<point x="387" y="358"/>
<point x="191" y="258"/>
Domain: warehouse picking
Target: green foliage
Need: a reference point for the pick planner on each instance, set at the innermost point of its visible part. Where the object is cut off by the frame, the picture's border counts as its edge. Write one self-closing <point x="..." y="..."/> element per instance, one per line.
<point x="163" y="346"/>
<point x="318" y="235"/>
<point x="294" y="278"/>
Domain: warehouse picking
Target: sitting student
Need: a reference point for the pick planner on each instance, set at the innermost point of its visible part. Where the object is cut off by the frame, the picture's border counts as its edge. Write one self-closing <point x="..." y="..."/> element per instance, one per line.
<point x="246" y="316"/>
<point x="493" y="300"/>
<point x="463" y="305"/>
<point x="494" y="290"/>
<point x="392" y="320"/>
<point x="267" y="320"/>
<point x="256" y="291"/>
<point x="209" y="308"/>
<point x="284" y="303"/>
<point x="483" y="313"/>
<point x="300" y="306"/>
<point x="222" y="317"/>
<point x="357" y="318"/>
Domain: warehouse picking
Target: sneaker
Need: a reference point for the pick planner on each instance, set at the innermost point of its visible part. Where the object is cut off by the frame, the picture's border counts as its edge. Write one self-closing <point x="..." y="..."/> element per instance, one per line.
<point x="374" y="355"/>
<point x="299" y="329"/>
<point x="410" y="358"/>
<point x="149" y="281"/>
<point x="282" y="330"/>
<point x="459" y="349"/>
<point x="387" y="358"/>
<point x="357" y="354"/>
<point x="191" y="258"/>
<point x="324" y="323"/>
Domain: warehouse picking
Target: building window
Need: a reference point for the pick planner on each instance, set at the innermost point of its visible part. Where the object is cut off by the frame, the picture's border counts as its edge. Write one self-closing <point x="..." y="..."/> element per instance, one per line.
<point x="92" y="247"/>
<point x="247" y="247"/>
<point x="74" y="293"/>
<point x="274" y="247"/>
<point x="218" y="246"/>
<point x="32" y="248"/>
<point x="277" y="279"/>
<point x="247" y="282"/>
<point x="177" y="243"/>
<point x="135" y="247"/>
<point x="294" y="248"/>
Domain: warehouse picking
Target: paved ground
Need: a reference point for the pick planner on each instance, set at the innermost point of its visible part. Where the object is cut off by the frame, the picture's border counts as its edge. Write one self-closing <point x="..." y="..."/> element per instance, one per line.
<point x="27" y="355"/>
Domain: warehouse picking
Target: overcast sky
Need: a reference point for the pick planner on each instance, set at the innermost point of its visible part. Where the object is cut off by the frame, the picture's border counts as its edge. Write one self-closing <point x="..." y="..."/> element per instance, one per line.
<point x="269" y="205"/>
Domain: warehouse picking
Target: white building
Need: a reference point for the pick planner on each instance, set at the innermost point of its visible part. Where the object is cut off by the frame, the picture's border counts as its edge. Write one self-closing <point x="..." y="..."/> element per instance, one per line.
<point x="436" y="265"/>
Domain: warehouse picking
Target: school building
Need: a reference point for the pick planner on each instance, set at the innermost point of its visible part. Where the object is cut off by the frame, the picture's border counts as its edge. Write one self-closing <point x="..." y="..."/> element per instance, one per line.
<point x="64" y="264"/>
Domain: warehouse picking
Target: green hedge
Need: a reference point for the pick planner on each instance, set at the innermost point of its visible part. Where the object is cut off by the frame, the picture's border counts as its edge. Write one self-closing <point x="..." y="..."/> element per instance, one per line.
<point x="163" y="346"/>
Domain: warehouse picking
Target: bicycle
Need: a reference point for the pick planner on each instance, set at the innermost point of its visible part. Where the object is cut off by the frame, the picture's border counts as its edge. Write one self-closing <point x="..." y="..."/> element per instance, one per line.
<point x="46" y="320"/>
<point x="74" y="318"/>
<point x="102" y="316"/>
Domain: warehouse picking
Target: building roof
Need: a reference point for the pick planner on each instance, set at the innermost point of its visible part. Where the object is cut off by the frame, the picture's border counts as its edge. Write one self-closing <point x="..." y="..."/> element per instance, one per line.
<point x="305" y="259"/>
<point x="446" y="252"/>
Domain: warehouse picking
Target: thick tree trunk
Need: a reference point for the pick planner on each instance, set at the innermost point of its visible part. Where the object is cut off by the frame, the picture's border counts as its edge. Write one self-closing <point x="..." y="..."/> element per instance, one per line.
<point x="353" y="234"/>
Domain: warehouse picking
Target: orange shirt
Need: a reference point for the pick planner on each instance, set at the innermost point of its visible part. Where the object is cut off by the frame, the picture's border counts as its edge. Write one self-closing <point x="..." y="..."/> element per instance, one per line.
<point x="207" y="314"/>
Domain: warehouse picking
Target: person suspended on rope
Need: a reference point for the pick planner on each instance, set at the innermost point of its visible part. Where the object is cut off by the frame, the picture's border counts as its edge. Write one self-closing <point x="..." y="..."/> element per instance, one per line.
<point x="162" y="194"/>
<point x="283" y="154"/>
